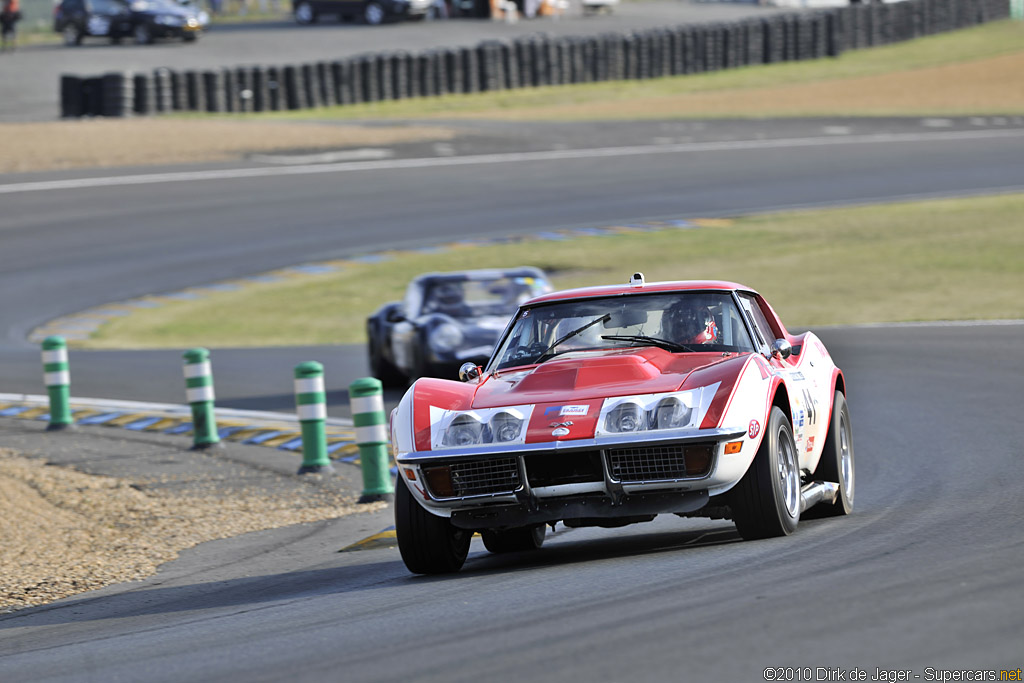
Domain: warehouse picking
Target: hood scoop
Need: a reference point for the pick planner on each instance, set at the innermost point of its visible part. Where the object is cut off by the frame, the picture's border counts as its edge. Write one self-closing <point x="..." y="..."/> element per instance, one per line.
<point x="563" y="375"/>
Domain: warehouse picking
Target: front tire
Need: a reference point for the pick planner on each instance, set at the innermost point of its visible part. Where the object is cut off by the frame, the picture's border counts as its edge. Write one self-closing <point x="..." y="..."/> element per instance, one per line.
<point x="514" y="540"/>
<point x="766" y="501"/>
<point x="380" y="367"/>
<point x="837" y="462"/>
<point x="429" y="544"/>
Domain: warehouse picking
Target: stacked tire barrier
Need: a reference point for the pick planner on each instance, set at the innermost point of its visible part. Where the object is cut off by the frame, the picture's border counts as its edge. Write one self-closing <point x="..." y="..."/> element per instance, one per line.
<point x="527" y="62"/>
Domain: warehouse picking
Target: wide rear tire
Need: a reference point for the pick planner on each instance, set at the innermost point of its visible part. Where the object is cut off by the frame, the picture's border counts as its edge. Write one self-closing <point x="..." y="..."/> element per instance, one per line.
<point x="429" y="544"/>
<point x="836" y="463"/>
<point x="514" y="540"/>
<point x="766" y="501"/>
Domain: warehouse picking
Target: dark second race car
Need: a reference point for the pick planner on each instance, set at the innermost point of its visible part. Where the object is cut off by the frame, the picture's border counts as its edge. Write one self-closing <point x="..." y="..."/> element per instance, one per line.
<point x="446" y="320"/>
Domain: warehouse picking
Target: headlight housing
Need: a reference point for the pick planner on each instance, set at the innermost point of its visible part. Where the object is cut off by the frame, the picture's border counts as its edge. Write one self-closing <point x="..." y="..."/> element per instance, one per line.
<point x="445" y="338"/>
<point x="168" y="20"/>
<point x="461" y="429"/>
<point x="651" y="412"/>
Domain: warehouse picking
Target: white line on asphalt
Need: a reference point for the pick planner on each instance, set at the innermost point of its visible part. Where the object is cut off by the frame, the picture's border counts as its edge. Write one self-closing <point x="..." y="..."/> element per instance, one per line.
<point x="511" y="157"/>
<point x="325" y="157"/>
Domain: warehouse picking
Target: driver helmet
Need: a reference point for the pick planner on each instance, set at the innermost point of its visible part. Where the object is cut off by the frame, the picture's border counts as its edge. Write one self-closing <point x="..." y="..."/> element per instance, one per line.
<point x="689" y="321"/>
<point x="447" y="297"/>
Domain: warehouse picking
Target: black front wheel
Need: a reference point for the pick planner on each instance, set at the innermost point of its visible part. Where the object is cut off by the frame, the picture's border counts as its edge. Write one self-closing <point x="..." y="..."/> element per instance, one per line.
<point x="428" y="544"/>
<point x="766" y="501"/>
<point x="381" y="367"/>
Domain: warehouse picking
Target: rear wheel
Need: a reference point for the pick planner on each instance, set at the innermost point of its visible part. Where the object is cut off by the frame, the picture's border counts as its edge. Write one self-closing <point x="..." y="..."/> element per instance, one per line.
<point x="766" y="501"/>
<point x="429" y="544"/>
<point x="837" y="462"/>
<point x="514" y="540"/>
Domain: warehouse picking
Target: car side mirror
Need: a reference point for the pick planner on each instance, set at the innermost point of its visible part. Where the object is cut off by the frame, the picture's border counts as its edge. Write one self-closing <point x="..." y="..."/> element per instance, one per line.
<point x="469" y="371"/>
<point x="781" y="349"/>
<point x="395" y="316"/>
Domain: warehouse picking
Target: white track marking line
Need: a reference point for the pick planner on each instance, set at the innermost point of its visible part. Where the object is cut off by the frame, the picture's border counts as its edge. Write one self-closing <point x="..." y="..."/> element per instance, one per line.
<point x="504" y="158"/>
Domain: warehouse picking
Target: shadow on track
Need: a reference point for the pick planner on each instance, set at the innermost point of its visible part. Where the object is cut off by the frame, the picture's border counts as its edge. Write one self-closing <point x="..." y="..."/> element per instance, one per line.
<point x="251" y="592"/>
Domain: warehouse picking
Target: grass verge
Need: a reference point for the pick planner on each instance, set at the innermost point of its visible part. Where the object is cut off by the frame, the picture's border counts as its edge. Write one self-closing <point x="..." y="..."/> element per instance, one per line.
<point x="965" y="72"/>
<point x="936" y="260"/>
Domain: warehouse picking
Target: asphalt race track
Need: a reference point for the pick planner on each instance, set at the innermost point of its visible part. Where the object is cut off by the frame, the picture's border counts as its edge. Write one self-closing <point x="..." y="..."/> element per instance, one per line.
<point x="65" y="249"/>
<point x="925" y="573"/>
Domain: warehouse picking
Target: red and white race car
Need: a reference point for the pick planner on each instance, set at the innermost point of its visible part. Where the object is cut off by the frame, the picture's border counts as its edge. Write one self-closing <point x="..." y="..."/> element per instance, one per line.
<point x="606" y="406"/>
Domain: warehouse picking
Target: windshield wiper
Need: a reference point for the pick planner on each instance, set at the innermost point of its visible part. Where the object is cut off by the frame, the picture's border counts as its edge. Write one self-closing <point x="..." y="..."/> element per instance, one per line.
<point x="672" y="346"/>
<point x="578" y="330"/>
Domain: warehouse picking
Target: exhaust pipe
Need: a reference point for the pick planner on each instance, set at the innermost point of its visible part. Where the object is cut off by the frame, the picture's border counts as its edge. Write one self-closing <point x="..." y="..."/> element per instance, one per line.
<point x="816" y="492"/>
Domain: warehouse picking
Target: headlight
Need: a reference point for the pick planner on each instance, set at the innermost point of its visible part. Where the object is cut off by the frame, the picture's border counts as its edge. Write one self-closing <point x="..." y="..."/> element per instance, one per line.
<point x="445" y="338"/>
<point x="167" y="20"/>
<point x="455" y="429"/>
<point x="670" y="413"/>
<point x="625" y="417"/>
<point x="506" y="427"/>
<point x="465" y="430"/>
<point x="674" y="410"/>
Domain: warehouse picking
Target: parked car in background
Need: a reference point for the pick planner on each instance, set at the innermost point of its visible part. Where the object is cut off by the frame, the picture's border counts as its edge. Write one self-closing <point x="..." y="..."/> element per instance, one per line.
<point x="372" y="12"/>
<point x="607" y="406"/>
<point x="142" y="20"/>
<point x="445" y="320"/>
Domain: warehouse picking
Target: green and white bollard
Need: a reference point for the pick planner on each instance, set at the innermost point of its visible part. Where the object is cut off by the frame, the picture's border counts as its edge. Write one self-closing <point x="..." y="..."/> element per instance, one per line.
<point x="311" y="405"/>
<point x="367" y="401"/>
<point x="199" y="393"/>
<point x="57" y="378"/>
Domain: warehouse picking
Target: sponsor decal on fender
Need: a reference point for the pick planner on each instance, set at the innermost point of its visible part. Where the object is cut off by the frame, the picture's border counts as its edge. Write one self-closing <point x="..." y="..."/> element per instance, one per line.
<point x="810" y="444"/>
<point x="754" y="429"/>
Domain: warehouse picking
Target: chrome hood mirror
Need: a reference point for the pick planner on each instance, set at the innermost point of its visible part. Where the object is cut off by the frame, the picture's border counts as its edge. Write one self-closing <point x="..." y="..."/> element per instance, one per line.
<point x="469" y="371"/>
<point x="781" y="349"/>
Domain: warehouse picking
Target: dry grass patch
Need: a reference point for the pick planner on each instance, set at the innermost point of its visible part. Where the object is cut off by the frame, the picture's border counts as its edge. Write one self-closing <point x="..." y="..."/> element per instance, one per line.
<point x="988" y="86"/>
<point x="138" y="142"/>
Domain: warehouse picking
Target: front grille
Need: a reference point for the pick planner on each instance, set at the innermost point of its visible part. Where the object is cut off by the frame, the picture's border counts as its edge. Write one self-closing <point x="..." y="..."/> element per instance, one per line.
<point x="656" y="463"/>
<point x="552" y="469"/>
<point x="482" y="477"/>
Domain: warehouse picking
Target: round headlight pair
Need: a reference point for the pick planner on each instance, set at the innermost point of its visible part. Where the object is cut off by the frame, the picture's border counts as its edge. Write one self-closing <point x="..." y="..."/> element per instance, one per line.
<point x="466" y="430"/>
<point x="669" y="413"/>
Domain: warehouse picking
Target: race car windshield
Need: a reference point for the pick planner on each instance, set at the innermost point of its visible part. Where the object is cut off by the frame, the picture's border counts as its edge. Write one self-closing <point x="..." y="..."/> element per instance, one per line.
<point x="470" y="298"/>
<point x="678" y="322"/>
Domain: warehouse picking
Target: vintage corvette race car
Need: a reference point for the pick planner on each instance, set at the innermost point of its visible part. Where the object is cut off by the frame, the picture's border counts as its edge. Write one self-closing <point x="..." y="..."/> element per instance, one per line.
<point x="607" y="406"/>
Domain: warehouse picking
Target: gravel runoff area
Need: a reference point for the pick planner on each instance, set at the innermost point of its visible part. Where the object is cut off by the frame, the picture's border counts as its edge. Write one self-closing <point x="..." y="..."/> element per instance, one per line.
<point x="95" y="506"/>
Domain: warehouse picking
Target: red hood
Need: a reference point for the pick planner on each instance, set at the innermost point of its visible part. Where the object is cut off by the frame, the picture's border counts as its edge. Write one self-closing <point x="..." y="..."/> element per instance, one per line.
<point x="640" y="371"/>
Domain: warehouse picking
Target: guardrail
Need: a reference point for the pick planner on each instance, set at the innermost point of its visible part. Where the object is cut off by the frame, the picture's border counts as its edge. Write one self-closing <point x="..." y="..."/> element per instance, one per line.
<point x="529" y="62"/>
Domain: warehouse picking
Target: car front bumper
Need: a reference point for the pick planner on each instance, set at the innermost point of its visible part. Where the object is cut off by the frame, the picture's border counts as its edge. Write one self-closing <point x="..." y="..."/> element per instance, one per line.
<point x="632" y="475"/>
